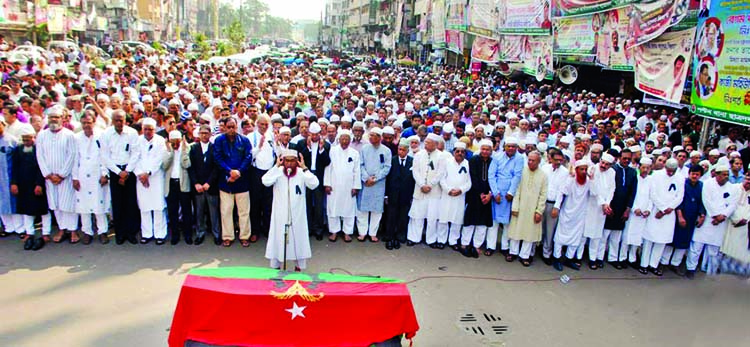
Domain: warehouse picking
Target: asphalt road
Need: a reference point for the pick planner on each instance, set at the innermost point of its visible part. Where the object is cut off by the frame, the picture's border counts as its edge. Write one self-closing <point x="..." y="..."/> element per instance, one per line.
<point x="108" y="295"/>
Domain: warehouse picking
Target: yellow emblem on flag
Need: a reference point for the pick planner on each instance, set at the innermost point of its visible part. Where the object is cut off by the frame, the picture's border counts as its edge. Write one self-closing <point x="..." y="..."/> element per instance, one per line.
<point x="297" y="289"/>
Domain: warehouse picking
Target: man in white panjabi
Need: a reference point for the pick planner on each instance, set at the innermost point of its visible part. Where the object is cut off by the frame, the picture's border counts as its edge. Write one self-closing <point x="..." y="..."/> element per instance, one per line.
<point x="91" y="181"/>
<point x="55" y="152"/>
<point x="632" y="235"/>
<point x="455" y="183"/>
<point x="428" y="170"/>
<point x="569" y="233"/>
<point x="290" y="180"/>
<point x="527" y="210"/>
<point x="150" y="185"/>
<point x="342" y="182"/>
<point x="667" y="189"/>
<point x="720" y="200"/>
<point x="603" y="189"/>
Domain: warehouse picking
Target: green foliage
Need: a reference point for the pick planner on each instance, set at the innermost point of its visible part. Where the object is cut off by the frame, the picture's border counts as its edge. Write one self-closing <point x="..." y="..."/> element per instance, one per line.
<point x="201" y="45"/>
<point x="252" y="20"/>
<point x="225" y="48"/>
<point x="236" y="36"/>
<point x="157" y="46"/>
<point x="42" y="35"/>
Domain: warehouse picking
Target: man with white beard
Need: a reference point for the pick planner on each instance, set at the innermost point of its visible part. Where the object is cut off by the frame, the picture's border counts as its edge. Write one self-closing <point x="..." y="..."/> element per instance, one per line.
<point x="55" y="152"/>
<point x="150" y="186"/>
<point x="599" y="207"/>
<point x="632" y="234"/>
<point x="720" y="200"/>
<point x="454" y="184"/>
<point x="667" y="189"/>
<point x="91" y="181"/>
<point x="569" y="232"/>
<point x="428" y="170"/>
<point x="375" y="165"/>
<point x="505" y="175"/>
<point x="342" y="182"/>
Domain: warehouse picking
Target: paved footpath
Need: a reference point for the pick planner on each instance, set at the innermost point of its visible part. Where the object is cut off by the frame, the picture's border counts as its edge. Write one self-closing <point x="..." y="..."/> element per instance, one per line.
<point x="107" y="295"/>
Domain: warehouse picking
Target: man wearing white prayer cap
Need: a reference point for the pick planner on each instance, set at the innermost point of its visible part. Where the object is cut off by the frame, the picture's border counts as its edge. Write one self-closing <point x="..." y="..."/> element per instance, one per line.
<point x="290" y="187"/>
<point x="151" y="183"/>
<point x="505" y="174"/>
<point x="570" y="227"/>
<point x="720" y="200"/>
<point x="668" y="189"/>
<point x="376" y="163"/>
<point x="342" y="182"/>
<point x="603" y="180"/>
<point x="428" y="169"/>
<point x="177" y="188"/>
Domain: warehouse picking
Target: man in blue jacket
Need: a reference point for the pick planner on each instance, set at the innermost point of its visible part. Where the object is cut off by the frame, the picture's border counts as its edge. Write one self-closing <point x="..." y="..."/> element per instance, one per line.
<point x="233" y="155"/>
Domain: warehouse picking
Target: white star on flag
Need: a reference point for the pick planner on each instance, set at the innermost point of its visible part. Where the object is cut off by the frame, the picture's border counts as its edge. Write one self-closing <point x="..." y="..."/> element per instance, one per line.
<point x="296" y="311"/>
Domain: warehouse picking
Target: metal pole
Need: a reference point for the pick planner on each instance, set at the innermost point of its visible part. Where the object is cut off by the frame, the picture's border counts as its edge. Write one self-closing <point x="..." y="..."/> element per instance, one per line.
<point x="707" y="122"/>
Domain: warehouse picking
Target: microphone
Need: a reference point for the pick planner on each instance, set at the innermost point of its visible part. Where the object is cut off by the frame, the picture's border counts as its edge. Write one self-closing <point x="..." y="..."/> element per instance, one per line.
<point x="288" y="171"/>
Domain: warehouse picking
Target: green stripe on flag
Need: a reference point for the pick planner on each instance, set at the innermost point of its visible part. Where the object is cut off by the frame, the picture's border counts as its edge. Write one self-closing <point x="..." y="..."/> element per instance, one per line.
<point x="267" y="274"/>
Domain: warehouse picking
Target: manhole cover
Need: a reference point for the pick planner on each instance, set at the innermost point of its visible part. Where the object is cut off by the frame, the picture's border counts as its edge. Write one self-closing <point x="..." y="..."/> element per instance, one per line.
<point x="482" y="324"/>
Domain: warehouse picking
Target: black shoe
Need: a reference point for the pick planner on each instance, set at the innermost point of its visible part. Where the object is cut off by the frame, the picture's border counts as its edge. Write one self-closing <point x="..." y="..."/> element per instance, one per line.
<point x="119" y="241"/>
<point x="410" y="243"/>
<point x="389" y="245"/>
<point x="690" y="274"/>
<point x="573" y="264"/>
<point x="656" y="271"/>
<point x="617" y="265"/>
<point x="547" y="261"/>
<point x="133" y="240"/>
<point x="466" y="252"/>
<point x="319" y="237"/>
<point x="145" y="240"/>
<point x="29" y="243"/>
<point x="38" y="244"/>
<point x="396" y="244"/>
<point x="217" y="241"/>
<point x="189" y="240"/>
<point x="600" y="264"/>
<point x="199" y="240"/>
<point x="174" y="241"/>
<point x="593" y="265"/>
<point x="433" y="245"/>
<point x="643" y="270"/>
<point x="474" y="252"/>
<point x="160" y="242"/>
<point x="557" y="265"/>
<point x="440" y="246"/>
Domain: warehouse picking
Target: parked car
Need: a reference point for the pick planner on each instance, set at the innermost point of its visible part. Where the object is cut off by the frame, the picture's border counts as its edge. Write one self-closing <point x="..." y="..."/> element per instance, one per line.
<point x="65" y="45"/>
<point x="137" y="44"/>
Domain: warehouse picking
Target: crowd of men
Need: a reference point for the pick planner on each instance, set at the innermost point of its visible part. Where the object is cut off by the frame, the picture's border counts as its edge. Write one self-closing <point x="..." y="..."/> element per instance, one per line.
<point x="162" y="149"/>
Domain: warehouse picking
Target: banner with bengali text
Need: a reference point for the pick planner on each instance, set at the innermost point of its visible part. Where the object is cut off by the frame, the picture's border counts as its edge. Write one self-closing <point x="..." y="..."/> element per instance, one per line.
<point x="454" y="41"/>
<point x="651" y="18"/>
<point x="721" y="62"/>
<point x="661" y="65"/>
<point x="485" y="50"/>
<point x="537" y="55"/>
<point x="568" y="8"/>
<point x="438" y="23"/>
<point x="455" y="15"/>
<point x="577" y="35"/>
<point x="56" y="19"/>
<point x="482" y="17"/>
<point x="526" y="17"/>
<point x="511" y="48"/>
<point x="40" y="12"/>
<point x="610" y="51"/>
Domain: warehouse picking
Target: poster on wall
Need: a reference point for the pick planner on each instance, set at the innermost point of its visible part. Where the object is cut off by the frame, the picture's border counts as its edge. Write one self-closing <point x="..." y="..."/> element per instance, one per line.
<point x="485" y="50"/>
<point x="438" y="23"/>
<point x="577" y="35"/>
<point x="537" y="57"/>
<point x="455" y="15"/>
<point x="610" y="51"/>
<point x="524" y="17"/>
<point x="651" y="18"/>
<point x="56" y="19"/>
<point x="661" y="65"/>
<point x="721" y="56"/>
<point x="511" y="48"/>
<point x="482" y="17"/>
<point x="454" y="41"/>
<point x="567" y="8"/>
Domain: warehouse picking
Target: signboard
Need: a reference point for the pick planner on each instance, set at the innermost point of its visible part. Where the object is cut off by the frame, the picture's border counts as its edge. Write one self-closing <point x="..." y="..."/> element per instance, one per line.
<point x="485" y="50"/>
<point x="438" y="23"/>
<point x="577" y="35"/>
<point x="721" y="62"/>
<point x="526" y="17"/>
<point x="56" y="19"/>
<point x="610" y="51"/>
<point x="482" y="17"/>
<point x="537" y="56"/>
<point x="456" y="15"/>
<point x="511" y="48"/>
<point x="454" y="41"/>
<point x="567" y="8"/>
<point x="651" y="18"/>
<point x="661" y="65"/>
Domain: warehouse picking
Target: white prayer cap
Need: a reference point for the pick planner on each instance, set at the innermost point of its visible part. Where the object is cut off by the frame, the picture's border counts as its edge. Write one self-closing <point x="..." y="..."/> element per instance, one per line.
<point x="347" y="119"/>
<point x="678" y="148"/>
<point x="314" y="128"/>
<point x="171" y="89"/>
<point x="54" y="111"/>
<point x="734" y="155"/>
<point x="434" y="137"/>
<point x="511" y="115"/>
<point x="388" y="130"/>
<point x="448" y="128"/>
<point x="484" y="142"/>
<point x="672" y="163"/>
<point x="616" y="148"/>
<point x="323" y="121"/>
<point x="704" y="162"/>
<point x="608" y="158"/>
<point x="335" y="118"/>
<point x="597" y="146"/>
<point x="646" y="161"/>
<point x="657" y="152"/>
<point x="530" y="139"/>
<point x="345" y="132"/>
<point x="414" y="138"/>
<point x="542" y="147"/>
<point x="26" y="130"/>
<point x="721" y="168"/>
<point x="175" y="135"/>
<point x="695" y="154"/>
<point x="469" y="130"/>
<point x="147" y="98"/>
<point x="403" y="142"/>
<point x="437" y="124"/>
<point x="409" y="107"/>
<point x="376" y="131"/>
<point x="301" y="115"/>
<point x="585" y="137"/>
<point x="511" y="141"/>
<point x="285" y="130"/>
<point x="193" y="107"/>
<point x="459" y="145"/>
<point x="566" y="139"/>
<point x="582" y="162"/>
<point x="148" y="122"/>
<point x="635" y="148"/>
<point x="714" y="152"/>
<point x="358" y="124"/>
<point x="206" y="117"/>
<point x="289" y="153"/>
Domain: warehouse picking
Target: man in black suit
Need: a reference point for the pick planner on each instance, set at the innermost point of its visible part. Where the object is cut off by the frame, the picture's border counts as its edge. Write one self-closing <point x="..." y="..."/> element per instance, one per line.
<point x="204" y="177"/>
<point x="314" y="149"/>
<point x="399" y="190"/>
<point x="626" y="184"/>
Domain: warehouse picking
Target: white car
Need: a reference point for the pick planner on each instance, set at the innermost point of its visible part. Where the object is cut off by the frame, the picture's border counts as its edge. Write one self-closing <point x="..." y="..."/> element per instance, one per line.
<point x="32" y="50"/>
<point x="137" y="44"/>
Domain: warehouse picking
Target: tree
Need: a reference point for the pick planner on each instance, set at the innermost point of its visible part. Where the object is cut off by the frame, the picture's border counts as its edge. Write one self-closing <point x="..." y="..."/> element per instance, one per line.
<point x="236" y="36"/>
